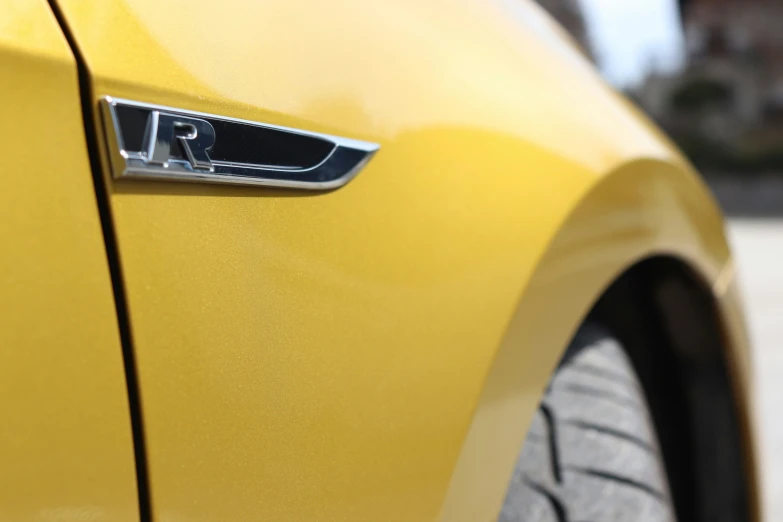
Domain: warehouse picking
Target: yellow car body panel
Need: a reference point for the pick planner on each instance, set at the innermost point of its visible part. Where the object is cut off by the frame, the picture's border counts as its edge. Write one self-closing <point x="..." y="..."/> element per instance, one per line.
<point x="66" y="446"/>
<point x="376" y="352"/>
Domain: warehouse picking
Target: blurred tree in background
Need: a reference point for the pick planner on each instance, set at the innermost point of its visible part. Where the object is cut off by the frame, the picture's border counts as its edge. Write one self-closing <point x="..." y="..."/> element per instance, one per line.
<point x="724" y="107"/>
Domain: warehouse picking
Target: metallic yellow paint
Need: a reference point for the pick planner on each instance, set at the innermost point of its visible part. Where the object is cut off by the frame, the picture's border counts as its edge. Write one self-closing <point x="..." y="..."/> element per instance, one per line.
<point x="642" y="209"/>
<point x="65" y="447"/>
<point x="374" y="353"/>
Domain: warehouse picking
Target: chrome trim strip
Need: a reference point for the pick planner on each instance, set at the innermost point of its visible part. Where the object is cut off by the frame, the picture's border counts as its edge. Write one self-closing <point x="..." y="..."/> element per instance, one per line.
<point x="341" y="164"/>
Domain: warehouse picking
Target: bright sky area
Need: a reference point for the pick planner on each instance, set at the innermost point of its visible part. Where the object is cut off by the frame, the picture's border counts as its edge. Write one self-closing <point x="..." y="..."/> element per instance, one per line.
<point x="631" y="37"/>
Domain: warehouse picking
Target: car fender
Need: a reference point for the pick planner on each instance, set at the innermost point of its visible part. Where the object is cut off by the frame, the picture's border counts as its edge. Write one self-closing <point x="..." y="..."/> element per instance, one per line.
<point x="350" y="352"/>
<point x="641" y="210"/>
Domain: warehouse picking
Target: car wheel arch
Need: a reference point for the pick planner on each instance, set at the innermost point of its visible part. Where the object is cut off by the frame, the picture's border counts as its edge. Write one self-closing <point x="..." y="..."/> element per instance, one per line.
<point x="658" y="249"/>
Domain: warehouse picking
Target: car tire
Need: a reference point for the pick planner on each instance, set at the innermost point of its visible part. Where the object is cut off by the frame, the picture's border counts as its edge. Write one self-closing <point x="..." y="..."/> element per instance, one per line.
<point x="591" y="453"/>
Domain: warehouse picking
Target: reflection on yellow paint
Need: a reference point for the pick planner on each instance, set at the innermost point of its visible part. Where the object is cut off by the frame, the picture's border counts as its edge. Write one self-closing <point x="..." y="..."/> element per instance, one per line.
<point x="335" y="356"/>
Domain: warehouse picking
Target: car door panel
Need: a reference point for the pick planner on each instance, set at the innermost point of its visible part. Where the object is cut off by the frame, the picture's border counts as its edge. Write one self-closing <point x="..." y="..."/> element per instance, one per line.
<point x="66" y="445"/>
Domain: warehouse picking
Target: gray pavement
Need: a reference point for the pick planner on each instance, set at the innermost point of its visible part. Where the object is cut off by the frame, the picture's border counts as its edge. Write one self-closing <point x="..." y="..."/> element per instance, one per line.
<point x="758" y="249"/>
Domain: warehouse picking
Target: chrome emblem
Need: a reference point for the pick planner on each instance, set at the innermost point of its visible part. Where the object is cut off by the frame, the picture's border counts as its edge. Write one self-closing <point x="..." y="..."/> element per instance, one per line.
<point x="155" y="142"/>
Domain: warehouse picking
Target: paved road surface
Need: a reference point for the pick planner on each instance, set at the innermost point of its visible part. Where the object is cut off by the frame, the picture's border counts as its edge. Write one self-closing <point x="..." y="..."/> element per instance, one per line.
<point x="758" y="248"/>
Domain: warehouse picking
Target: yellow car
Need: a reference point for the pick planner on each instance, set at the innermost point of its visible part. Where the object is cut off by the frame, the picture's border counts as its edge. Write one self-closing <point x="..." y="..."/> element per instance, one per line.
<point x="343" y="260"/>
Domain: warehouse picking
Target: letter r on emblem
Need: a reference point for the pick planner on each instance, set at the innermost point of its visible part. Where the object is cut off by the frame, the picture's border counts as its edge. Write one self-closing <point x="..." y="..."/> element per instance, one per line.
<point x="194" y="137"/>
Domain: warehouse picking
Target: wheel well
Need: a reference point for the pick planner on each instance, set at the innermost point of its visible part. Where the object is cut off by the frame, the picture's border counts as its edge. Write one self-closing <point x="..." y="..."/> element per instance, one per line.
<point x="666" y="317"/>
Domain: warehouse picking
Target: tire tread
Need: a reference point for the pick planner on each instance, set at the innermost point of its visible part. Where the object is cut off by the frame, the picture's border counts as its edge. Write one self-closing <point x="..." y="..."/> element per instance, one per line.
<point x="592" y="454"/>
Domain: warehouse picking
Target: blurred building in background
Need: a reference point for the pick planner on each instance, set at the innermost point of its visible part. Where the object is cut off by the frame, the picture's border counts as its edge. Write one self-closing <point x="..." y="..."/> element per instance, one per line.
<point x="725" y="107"/>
